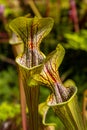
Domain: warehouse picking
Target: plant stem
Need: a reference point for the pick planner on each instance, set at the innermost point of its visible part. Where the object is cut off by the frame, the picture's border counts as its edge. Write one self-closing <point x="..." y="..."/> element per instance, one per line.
<point x="74" y="15"/>
<point x="7" y="60"/>
<point x="33" y="108"/>
<point x="47" y="8"/>
<point x="17" y="49"/>
<point x="32" y="96"/>
<point x="23" y="103"/>
<point x="33" y="7"/>
<point x="85" y="109"/>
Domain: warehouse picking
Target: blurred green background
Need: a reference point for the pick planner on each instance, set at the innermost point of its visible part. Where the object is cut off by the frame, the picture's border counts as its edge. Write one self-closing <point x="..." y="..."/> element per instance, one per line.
<point x="70" y="29"/>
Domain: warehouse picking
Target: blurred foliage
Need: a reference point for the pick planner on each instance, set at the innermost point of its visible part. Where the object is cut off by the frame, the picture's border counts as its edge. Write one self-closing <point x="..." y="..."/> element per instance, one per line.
<point x="8" y="110"/>
<point x="74" y="65"/>
<point x="10" y="118"/>
<point x="9" y="85"/>
<point x="77" y="41"/>
<point x="11" y="8"/>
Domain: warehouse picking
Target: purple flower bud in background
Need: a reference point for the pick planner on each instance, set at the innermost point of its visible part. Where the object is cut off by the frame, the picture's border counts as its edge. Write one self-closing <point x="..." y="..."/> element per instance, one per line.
<point x="2" y="8"/>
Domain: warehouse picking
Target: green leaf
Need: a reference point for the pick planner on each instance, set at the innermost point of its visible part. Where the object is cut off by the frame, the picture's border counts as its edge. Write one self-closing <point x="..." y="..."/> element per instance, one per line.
<point x="43" y="110"/>
<point x="32" y="29"/>
<point x="21" y="27"/>
<point x="76" y="40"/>
<point x="8" y="110"/>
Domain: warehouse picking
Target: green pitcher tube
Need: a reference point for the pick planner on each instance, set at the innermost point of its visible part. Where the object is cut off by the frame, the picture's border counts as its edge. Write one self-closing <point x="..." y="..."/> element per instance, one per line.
<point x="31" y="93"/>
<point x="68" y="112"/>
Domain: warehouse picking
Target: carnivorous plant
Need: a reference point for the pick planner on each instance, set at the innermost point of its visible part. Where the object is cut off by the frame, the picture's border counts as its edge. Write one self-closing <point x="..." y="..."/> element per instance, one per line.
<point x="37" y="69"/>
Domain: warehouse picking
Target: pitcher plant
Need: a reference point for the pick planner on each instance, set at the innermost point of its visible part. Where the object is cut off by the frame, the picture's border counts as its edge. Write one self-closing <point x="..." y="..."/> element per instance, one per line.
<point x="37" y="69"/>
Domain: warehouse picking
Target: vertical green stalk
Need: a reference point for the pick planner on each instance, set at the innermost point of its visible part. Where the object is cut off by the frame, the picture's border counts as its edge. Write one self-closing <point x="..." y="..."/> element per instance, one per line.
<point x="18" y="47"/>
<point x="33" y="114"/>
<point x="32" y="94"/>
<point x="23" y="103"/>
<point x="85" y="109"/>
<point x="33" y="7"/>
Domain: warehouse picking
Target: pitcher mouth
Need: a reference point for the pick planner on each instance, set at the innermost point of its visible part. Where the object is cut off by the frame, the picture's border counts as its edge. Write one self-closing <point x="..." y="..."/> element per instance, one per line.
<point x="51" y="101"/>
<point x="21" y="63"/>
